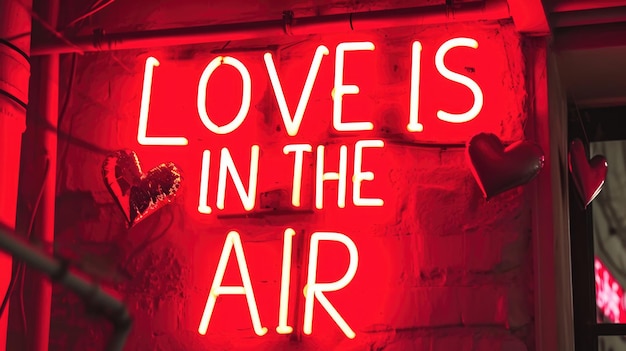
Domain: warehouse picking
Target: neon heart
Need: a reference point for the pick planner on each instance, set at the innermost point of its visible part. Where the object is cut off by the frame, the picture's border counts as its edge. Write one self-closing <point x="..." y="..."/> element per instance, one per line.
<point x="588" y="176"/>
<point x="497" y="169"/>
<point x="139" y="194"/>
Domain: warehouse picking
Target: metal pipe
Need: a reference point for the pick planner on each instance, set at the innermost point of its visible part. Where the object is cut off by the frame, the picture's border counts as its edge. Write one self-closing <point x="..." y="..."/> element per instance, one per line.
<point x="590" y="37"/>
<point x="39" y="316"/>
<point x="15" y="28"/>
<point x="581" y="5"/>
<point x="489" y="10"/>
<point x="588" y="17"/>
<point x="44" y="230"/>
<point x="96" y="298"/>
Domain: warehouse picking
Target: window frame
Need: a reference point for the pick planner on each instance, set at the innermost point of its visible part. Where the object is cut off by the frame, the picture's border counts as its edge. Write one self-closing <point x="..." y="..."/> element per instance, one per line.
<point x="589" y="125"/>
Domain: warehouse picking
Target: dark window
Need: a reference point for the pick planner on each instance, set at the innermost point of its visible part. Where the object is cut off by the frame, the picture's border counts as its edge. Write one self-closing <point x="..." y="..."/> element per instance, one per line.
<point x="598" y="234"/>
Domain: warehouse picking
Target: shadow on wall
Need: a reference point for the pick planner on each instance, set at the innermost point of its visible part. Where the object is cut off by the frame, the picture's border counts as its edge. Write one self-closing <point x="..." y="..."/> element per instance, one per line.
<point x="73" y="207"/>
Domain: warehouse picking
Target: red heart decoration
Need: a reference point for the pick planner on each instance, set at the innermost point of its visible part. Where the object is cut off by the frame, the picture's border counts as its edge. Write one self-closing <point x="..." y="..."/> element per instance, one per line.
<point x="588" y="176"/>
<point x="498" y="169"/>
<point x="139" y="194"/>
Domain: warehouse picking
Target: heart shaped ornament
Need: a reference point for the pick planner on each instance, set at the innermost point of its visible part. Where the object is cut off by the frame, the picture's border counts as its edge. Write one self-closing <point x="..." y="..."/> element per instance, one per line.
<point x="497" y="169"/>
<point x="588" y="176"/>
<point x="139" y="194"/>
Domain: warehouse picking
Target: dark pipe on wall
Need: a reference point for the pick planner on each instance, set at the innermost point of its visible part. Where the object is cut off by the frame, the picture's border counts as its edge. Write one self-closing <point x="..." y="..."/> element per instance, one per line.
<point x="15" y="28"/>
<point x="489" y="10"/>
<point x="48" y="112"/>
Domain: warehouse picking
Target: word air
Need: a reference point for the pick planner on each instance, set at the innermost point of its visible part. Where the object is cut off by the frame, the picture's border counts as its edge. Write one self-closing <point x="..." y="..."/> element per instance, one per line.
<point x="312" y="291"/>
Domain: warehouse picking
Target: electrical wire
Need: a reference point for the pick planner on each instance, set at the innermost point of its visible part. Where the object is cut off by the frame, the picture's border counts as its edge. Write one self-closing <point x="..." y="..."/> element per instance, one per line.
<point x="17" y="274"/>
<point x="66" y="102"/>
<point x="18" y="271"/>
<point x="19" y="267"/>
<point x="48" y="26"/>
<point x="95" y="7"/>
<point x="31" y="223"/>
<point x="9" y="291"/>
<point x="68" y="90"/>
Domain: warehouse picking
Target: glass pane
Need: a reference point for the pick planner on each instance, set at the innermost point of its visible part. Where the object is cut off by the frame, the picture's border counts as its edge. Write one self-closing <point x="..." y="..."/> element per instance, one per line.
<point x="609" y="228"/>
<point x="611" y="343"/>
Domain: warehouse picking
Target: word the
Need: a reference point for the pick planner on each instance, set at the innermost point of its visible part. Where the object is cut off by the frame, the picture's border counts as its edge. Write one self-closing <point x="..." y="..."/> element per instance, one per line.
<point x="248" y="197"/>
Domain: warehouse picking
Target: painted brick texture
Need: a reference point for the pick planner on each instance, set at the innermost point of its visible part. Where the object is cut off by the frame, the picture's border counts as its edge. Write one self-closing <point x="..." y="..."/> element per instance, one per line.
<point x="444" y="270"/>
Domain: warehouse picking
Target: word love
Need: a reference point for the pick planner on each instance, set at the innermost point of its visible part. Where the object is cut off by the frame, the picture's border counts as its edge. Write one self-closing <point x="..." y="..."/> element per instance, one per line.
<point x="292" y="122"/>
<point x="248" y="196"/>
<point x="312" y="291"/>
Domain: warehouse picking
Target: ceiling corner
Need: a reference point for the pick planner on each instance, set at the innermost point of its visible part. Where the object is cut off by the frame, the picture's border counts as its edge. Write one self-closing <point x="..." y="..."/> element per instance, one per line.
<point x="529" y="16"/>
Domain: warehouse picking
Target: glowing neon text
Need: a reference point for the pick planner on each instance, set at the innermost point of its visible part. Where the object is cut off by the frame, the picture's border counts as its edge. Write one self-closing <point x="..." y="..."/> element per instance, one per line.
<point x="248" y="196"/>
<point x="312" y="291"/>
<point x="339" y="90"/>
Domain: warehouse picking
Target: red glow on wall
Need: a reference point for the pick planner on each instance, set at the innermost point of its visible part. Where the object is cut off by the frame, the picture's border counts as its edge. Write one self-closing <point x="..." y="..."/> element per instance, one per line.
<point x="436" y="90"/>
<point x="230" y="106"/>
<point x="322" y="137"/>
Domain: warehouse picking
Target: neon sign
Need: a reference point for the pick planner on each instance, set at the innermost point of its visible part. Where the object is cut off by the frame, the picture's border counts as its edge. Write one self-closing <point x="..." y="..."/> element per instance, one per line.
<point x="339" y="90"/>
<point x="292" y="125"/>
<point x="307" y="160"/>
